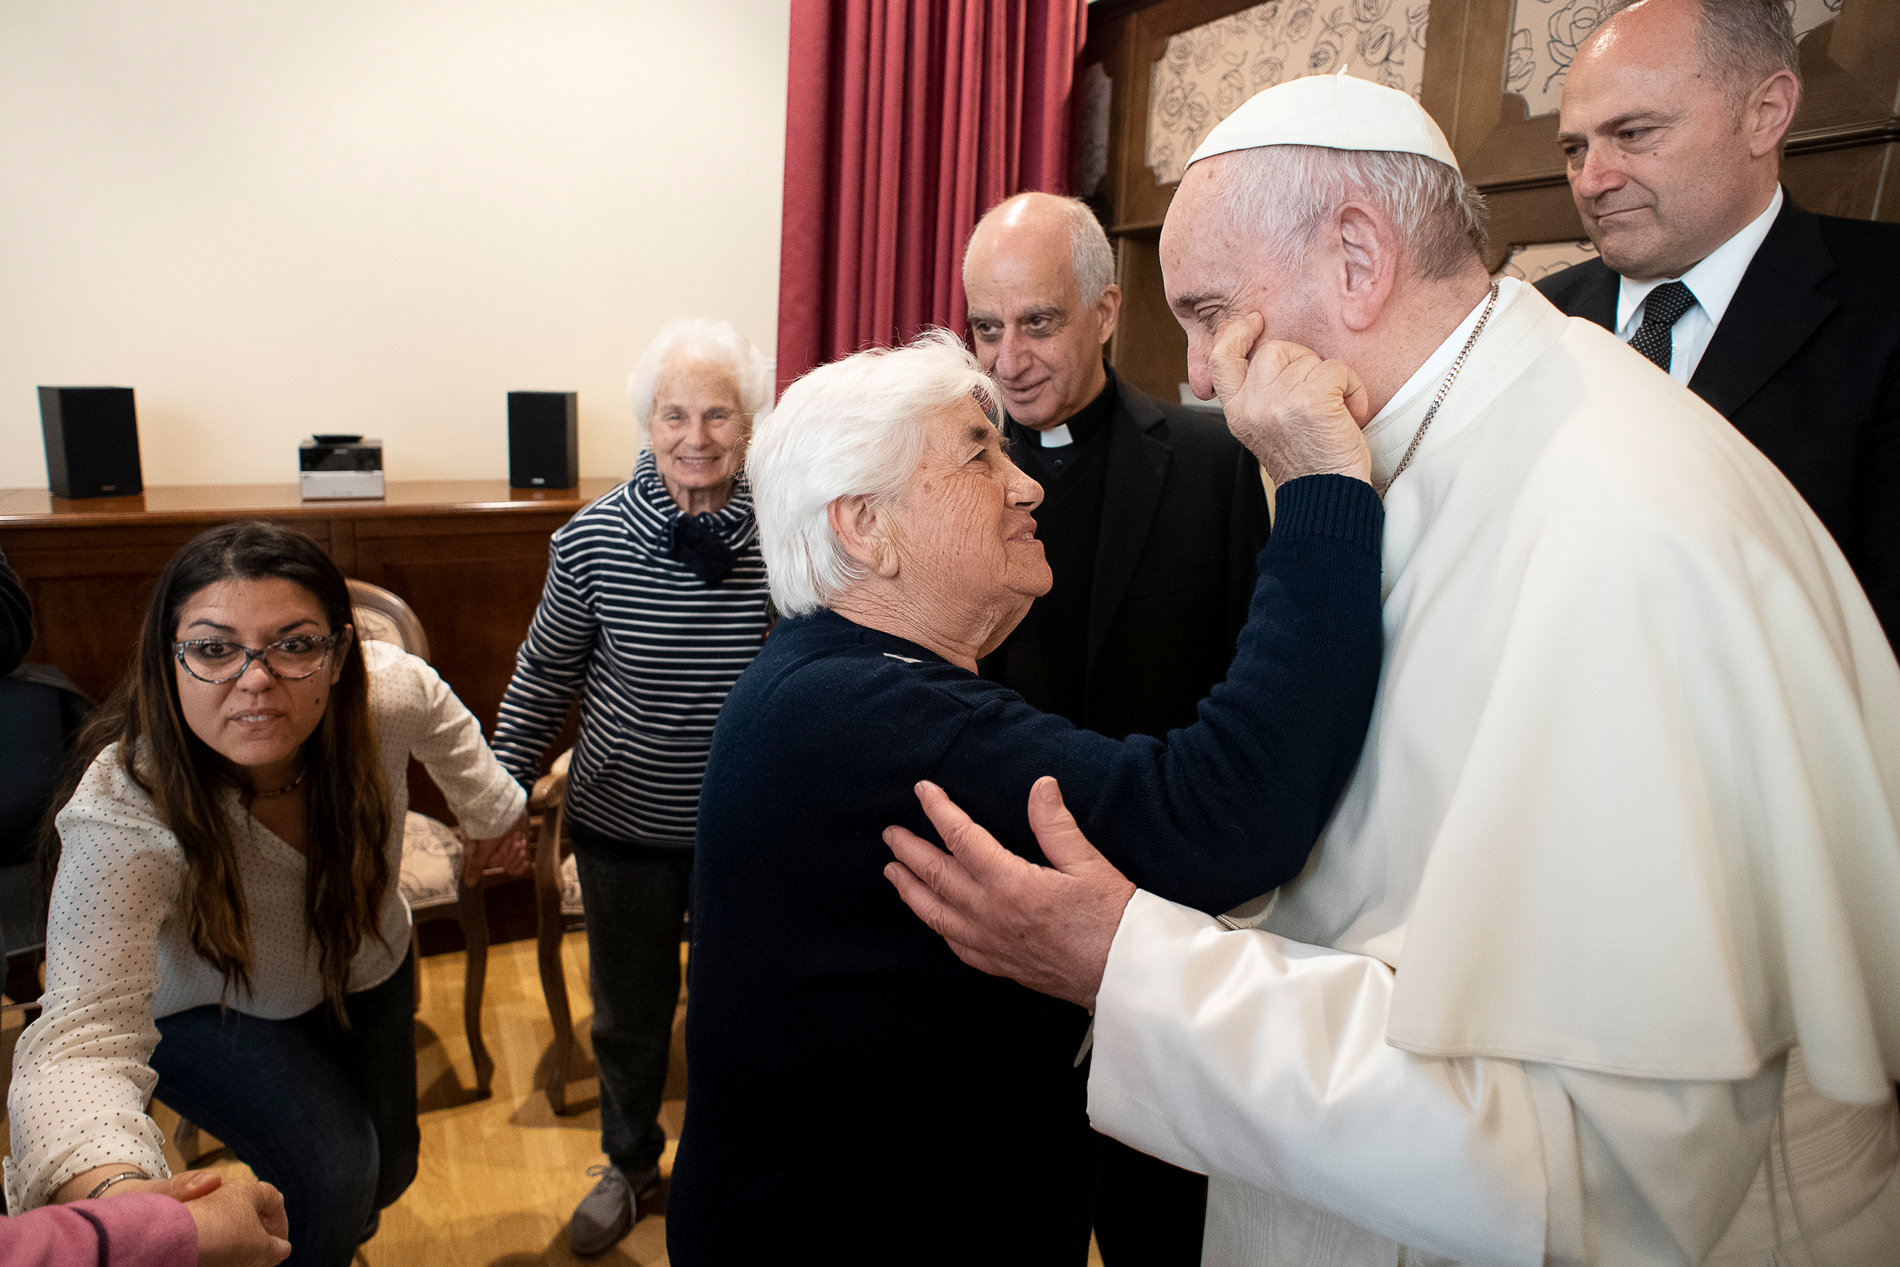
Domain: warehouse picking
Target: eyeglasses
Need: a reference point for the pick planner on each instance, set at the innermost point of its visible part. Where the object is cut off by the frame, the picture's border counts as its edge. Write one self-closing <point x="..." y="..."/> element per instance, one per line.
<point x="215" y="660"/>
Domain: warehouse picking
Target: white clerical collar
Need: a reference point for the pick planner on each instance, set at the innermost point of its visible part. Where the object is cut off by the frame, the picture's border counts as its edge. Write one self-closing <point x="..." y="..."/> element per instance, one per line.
<point x="1055" y="437"/>
<point x="1386" y="435"/>
<point x="1715" y="280"/>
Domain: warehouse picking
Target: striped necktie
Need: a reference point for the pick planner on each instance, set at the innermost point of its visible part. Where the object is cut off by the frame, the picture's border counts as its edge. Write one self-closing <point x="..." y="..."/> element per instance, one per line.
<point x="1662" y="308"/>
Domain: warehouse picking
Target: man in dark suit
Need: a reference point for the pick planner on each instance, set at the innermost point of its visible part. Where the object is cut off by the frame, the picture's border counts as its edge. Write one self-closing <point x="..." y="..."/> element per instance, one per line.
<point x="1151" y="518"/>
<point x="1787" y="322"/>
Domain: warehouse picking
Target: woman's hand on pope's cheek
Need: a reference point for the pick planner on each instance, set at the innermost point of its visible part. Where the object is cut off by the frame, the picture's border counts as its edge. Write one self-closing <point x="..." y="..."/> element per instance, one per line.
<point x="1296" y="412"/>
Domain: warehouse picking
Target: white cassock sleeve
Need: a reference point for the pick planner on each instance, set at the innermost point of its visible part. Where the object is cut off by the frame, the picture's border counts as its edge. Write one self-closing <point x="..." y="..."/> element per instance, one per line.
<point x="1263" y="1062"/>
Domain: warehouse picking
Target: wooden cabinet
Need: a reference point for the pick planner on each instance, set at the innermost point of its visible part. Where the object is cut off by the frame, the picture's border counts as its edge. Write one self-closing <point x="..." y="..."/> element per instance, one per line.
<point x="469" y="556"/>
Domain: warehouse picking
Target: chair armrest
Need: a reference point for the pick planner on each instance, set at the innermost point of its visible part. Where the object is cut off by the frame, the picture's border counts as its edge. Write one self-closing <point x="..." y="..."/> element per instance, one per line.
<point x="546" y="807"/>
<point x="550" y="790"/>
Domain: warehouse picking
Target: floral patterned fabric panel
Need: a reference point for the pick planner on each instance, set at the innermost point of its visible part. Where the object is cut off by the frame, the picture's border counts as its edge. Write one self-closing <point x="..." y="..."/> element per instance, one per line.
<point x="431" y="863"/>
<point x="1207" y="71"/>
<point x="1545" y="35"/>
<point x="571" y="887"/>
<point x="1539" y="260"/>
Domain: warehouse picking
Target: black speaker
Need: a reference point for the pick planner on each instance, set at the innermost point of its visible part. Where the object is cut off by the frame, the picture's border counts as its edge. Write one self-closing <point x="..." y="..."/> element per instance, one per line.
<point x="543" y="440"/>
<point x="92" y="441"/>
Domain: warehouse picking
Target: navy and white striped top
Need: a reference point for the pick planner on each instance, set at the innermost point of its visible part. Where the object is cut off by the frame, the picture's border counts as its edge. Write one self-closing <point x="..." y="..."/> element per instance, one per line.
<point x="651" y="648"/>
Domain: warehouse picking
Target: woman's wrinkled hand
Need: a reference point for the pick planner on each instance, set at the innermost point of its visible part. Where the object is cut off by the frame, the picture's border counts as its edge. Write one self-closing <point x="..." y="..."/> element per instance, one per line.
<point x="1297" y="413"/>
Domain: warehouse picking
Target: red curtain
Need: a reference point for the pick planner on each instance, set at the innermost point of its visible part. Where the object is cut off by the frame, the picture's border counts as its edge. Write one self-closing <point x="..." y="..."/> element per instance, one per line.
<point x="905" y="121"/>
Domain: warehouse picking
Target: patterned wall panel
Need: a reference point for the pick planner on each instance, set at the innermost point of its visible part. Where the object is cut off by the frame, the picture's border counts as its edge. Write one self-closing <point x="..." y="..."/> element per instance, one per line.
<point x="1093" y="116"/>
<point x="1207" y="71"/>
<point x="1545" y="35"/>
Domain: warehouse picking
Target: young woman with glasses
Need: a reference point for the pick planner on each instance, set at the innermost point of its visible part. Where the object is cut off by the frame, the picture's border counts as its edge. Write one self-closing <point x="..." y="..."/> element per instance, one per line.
<point x="225" y="920"/>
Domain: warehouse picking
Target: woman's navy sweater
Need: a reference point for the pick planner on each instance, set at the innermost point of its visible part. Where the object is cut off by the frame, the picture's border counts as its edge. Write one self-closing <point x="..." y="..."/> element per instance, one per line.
<point x="842" y="1060"/>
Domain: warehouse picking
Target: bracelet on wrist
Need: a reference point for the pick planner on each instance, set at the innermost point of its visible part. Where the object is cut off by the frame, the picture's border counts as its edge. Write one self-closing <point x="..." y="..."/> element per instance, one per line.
<point x="99" y="1189"/>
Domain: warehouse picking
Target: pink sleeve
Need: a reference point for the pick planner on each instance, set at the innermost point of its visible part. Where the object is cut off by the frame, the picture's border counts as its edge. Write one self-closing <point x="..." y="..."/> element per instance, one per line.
<point x="135" y="1230"/>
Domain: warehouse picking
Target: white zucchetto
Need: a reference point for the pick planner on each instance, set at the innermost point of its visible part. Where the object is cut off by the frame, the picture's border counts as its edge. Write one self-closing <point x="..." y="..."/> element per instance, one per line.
<point x="1337" y="112"/>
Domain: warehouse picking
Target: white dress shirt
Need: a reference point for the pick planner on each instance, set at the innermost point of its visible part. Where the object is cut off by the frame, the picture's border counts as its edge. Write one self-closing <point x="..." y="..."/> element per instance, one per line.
<point x="1713" y="282"/>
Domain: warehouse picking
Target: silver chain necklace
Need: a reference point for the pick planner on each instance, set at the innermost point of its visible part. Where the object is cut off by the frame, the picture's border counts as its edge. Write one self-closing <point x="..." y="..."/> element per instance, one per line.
<point x="1444" y="388"/>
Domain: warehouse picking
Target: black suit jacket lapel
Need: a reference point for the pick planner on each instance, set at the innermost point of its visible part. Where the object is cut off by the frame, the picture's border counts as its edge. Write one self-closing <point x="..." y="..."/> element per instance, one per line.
<point x="1774" y="311"/>
<point x="1137" y="472"/>
<point x="1596" y="297"/>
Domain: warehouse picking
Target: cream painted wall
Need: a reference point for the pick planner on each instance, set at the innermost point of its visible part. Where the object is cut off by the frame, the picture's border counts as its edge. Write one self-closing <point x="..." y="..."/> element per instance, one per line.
<point x="272" y="219"/>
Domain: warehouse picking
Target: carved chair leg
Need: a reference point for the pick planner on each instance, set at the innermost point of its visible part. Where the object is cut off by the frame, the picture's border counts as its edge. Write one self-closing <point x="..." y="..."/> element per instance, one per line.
<point x="548" y="932"/>
<point x="472" y="912"/>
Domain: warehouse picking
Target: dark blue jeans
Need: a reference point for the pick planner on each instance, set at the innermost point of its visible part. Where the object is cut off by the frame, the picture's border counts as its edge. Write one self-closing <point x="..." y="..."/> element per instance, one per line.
<point x="634" y="897"/>
<point x="326" y="1114"/>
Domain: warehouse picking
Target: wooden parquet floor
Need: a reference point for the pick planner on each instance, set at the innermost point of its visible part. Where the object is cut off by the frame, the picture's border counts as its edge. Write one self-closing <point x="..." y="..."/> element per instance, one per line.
<point x="500" y="1176"/>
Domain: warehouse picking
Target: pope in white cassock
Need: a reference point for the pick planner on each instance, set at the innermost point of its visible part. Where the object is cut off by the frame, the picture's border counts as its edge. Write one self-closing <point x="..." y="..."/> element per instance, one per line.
<point x="1598" y="959"/>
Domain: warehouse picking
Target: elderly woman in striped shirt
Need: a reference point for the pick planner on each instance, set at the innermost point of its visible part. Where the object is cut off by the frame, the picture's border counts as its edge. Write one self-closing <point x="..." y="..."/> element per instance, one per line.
<point x="655" y="603"/>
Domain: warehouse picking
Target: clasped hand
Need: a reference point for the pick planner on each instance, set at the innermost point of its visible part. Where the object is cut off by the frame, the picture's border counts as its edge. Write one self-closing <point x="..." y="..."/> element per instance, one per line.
<point x="241" y="1222"/>
<point x="506" y="852"/>
<point x="1297" y="413"/>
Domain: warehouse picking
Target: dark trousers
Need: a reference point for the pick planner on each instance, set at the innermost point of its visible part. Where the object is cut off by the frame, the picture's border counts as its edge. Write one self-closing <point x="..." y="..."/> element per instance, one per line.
<point x="1147" y="1213"/>
<point x="328" y="1115"/>
<point x="634" y="897"/>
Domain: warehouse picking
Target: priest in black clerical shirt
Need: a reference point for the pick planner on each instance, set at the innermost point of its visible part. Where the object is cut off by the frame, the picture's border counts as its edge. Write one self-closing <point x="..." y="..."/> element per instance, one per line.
<point x="1045" y="659"/>
<point x="1151" y="519"/>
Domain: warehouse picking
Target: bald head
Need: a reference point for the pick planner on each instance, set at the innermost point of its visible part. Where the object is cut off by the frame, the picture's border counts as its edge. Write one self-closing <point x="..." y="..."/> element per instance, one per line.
<point x="1041" y="305"/>
<point x="1739" y="43"/>
<point x="1090" y="257"/>
<point x="1670" y="156"/>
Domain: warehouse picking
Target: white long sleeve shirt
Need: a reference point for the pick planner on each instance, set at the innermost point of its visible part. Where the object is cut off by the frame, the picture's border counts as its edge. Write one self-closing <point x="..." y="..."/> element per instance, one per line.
<point x="1597" y="959"/>
<point x="118" y="955"/>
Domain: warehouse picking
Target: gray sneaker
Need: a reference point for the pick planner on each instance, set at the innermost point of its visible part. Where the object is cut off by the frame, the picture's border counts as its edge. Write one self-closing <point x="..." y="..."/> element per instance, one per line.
<point x="608" y="1212"/>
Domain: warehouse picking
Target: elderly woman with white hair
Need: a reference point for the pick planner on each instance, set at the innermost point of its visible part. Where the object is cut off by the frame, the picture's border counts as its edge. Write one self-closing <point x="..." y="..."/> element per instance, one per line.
<point x="655" y="603"/>
<point x="842" y="1058"/>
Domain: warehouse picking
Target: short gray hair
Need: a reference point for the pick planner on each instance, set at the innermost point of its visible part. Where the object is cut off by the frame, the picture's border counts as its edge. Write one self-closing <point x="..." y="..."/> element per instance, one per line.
<point x="1091" y="258"/>
<point x="855" y="427"/>
<point x="1286" y="192"/>
<point x="1742" y="41"/>
<point x="706" y="339"/>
